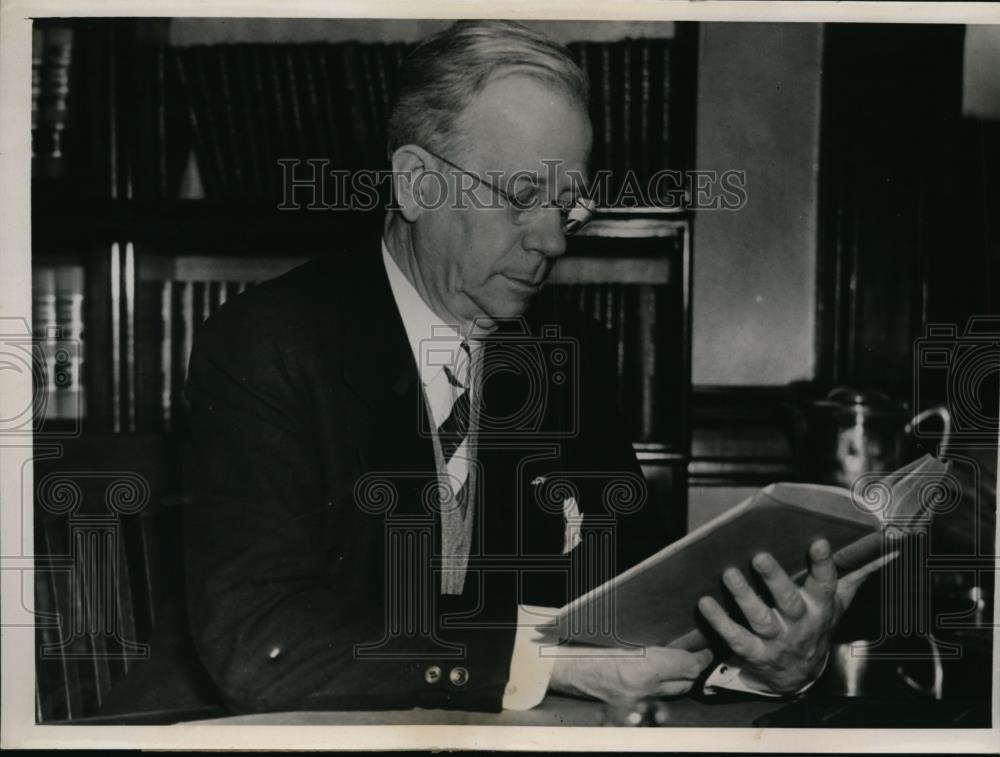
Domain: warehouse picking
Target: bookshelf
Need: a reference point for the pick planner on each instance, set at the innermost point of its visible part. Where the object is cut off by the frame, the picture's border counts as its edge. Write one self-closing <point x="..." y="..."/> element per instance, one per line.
<point x="151" y="220"/>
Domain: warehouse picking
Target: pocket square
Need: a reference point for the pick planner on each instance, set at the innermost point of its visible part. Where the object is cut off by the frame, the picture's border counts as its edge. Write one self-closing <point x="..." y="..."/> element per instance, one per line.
<point x="574" y="521"/>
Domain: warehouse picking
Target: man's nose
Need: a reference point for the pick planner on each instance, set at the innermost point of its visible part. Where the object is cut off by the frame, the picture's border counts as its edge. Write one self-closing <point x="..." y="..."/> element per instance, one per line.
<point x="545" y="234"/>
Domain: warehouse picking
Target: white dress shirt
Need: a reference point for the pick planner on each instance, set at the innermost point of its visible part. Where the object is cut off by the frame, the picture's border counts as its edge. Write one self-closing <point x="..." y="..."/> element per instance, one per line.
<point x="434" y="344"/>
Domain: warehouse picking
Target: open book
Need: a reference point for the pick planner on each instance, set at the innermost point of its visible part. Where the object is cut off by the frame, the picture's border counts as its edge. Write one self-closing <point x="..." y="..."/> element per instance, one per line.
<point x="654" y="602"/>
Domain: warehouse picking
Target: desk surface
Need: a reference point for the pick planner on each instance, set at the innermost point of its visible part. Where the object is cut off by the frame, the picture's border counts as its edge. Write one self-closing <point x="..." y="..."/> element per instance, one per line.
<point x="554" y="711"/>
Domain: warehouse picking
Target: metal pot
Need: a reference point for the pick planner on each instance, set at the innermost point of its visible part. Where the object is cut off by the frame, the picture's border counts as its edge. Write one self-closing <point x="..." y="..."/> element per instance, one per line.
<point x="866" y="668"/>
<point x="851" y="432"/>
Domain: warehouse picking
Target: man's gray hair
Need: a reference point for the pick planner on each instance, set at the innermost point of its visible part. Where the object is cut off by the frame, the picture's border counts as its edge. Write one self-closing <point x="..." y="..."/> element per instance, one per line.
<point x="443" y="73"/>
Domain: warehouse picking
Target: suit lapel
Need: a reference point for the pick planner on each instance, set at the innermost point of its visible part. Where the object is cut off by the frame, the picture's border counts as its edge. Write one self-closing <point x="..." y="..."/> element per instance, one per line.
<point x="378" y="367"/>
<point x="513" y="453"/>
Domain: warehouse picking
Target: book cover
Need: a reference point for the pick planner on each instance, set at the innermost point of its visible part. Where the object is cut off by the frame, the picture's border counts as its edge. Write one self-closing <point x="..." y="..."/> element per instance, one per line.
<point x="655" y="601"/>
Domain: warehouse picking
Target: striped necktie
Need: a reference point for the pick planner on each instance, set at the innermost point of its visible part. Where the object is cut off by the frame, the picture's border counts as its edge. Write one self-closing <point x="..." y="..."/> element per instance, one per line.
<point x="454" y="431"/>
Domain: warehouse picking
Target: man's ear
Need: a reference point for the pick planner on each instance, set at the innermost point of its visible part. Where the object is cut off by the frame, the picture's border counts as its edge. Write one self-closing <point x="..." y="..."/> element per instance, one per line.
<point x="416" y="188"/>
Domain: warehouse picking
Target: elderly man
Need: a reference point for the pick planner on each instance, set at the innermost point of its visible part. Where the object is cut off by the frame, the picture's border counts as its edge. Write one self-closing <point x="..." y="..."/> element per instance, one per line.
<point x="368" y="519"/>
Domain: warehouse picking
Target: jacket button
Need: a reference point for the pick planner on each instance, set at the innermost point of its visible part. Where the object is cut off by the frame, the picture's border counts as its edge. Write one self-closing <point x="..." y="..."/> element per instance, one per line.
<point x="459" y="676"/>
<point x="432" y="674"/>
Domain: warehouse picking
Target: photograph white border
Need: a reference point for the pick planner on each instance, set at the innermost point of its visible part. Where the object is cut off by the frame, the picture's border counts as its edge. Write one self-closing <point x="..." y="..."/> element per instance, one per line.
<point x="18" y="729"/>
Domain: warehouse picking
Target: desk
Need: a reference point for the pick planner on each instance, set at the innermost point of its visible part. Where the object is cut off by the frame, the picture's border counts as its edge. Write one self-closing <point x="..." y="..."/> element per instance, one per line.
<point x="555" y="710"/>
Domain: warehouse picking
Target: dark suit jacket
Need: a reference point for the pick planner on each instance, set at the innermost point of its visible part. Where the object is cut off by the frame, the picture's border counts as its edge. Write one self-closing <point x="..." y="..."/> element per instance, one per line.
<point x="310" y="434"/>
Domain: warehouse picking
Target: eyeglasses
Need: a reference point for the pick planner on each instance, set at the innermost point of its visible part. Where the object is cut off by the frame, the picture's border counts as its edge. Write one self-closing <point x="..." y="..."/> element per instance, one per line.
<point x="524" y="207"/>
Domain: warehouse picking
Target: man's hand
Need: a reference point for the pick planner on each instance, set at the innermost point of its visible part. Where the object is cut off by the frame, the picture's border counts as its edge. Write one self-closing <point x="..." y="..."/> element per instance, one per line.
<point x="786" y="646"/>
<point x="659" y="672"/>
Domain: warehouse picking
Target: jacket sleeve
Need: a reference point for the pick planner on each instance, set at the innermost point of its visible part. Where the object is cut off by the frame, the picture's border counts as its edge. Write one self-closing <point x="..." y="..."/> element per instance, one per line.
<point x="268" y="624"/>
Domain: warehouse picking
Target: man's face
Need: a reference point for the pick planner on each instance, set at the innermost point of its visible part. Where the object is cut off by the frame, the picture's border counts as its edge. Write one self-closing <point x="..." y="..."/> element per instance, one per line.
<point x="480" y="265"/>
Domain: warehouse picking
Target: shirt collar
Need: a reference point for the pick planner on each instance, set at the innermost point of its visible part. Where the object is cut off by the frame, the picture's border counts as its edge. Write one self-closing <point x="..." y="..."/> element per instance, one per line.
<point x="432" y="341"/>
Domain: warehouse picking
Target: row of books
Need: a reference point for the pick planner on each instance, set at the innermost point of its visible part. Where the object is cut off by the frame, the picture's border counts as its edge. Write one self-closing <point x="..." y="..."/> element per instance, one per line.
<point x="635" y="318"/>
<point x="249" y="105"/>
<point x="243" y="107"/>
<point x="631" y="313"/>
<point x="51" y="58"/>
<point x="171" y="312"/>
<point x="630" y="110"/>
<point x="174" y="312"/>
<point x="59" y="337"/>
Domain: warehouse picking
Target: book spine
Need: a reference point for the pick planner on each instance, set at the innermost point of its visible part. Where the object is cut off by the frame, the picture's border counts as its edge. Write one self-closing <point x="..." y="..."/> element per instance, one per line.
<point x="183" y="60"/>
<point x="129" y="302"/>
<point x="44" y="327"/>
<point x="626" y="159"/>
<point x="597" y="303"/>
<point x="185" y="323"/>
<point x="149" y="339"/>
<point x="649" y="336"/>
<point x="206" y="302"/>
<point x="371" y="102"/>
<point x="37" y="57"/>
<point x="227" y="117"/>
<point x="69" y="353"/>
<point x="270" y="185"/>
<point x="54" y="95"/>
<point x="211" y="117"/>
<point x="607" y="107"/>
<point x="237" y="56"/>
<point x="645" y="167"/>
<point x="621" y="326"/>
<point x="330" y="101"/>
<point x="379" y="91"/>
<point x="320" y="131"/>
<point x="167" y="353"/>
<point x="665" y="93"/>
<point x="280" y="144"/>
<point x="162" y="146"/>
<point x="300" y="143"/>
<point x="393" y="54"/>
<point x="358" y="117"/>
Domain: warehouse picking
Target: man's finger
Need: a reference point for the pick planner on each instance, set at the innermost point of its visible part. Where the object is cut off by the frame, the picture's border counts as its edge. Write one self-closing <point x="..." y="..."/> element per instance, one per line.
<point x="760" y="617"/>
<point x="782" y="588"/>
<point x="850" y="583"/>
<point x="702" y="659"/>
<point x="673" y="688"/>
<point x="740" y="640"/>
<point x="822" y="579"/>
<point x="676" y="664"/>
